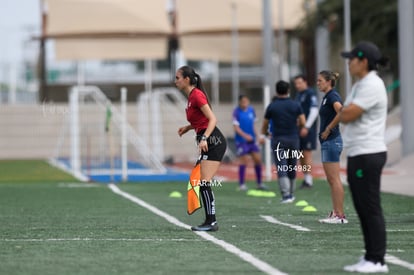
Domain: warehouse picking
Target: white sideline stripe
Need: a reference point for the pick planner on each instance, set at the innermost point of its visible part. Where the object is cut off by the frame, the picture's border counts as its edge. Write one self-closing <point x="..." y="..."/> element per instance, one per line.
<point x="273" y="220"/>
<point x="394" y="260"/>
<point x="78" y="185"/>
<point x="259" y="264"/>
<point x="99" y="239"/>
<point x="399" y="230"/>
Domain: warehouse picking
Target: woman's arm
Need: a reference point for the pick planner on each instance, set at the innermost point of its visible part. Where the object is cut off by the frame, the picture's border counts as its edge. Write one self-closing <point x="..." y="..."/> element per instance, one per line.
<point x="212" y="121"/>
<point x="337" y="106"/>
<point x="350" y="113"/>
<point x="301" y="120"/>
<point x="239" y="131"/>
<point x="184" y="129"/>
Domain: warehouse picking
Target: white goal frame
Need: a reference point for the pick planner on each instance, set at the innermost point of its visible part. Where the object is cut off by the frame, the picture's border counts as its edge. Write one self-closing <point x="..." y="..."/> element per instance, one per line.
<point x="119" y="120"/>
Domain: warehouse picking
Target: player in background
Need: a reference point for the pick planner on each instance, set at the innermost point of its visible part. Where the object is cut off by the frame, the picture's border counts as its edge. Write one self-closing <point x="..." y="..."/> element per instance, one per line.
<point x="244" y="118"/>
<point x="331" y="144"/>
<point x="287" y="118"/>
<point x="309" y="102"/>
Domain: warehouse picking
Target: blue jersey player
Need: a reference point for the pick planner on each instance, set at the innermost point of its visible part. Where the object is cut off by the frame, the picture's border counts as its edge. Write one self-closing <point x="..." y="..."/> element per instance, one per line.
<point x="244" y="118"/>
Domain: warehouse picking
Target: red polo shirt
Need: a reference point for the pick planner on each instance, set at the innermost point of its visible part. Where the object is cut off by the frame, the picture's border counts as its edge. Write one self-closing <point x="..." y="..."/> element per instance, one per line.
<point x="195" y="116"/>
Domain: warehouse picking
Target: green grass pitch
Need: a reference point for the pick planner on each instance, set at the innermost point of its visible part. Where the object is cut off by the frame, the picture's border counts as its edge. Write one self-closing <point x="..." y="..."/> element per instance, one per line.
<point x="49" y="224"/>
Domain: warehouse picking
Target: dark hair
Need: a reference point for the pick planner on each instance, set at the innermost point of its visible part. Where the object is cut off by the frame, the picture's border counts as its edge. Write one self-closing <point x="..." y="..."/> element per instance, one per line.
<point x="373" y="65"/>
<point x="282" y="87"/>
<point x="330" y="76"/>
<point x="243" y="96"/>
<point x="195" y="79"/>
<point x="300" y="76"/>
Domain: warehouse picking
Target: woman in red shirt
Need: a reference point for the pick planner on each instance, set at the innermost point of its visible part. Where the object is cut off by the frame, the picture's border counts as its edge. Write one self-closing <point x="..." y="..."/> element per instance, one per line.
<point x="211" y="142"/>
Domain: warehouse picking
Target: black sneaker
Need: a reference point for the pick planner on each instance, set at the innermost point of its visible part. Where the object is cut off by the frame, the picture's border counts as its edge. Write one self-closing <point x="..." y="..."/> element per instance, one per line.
<point x="206" y="227"/>
<point x="305" y="185"/>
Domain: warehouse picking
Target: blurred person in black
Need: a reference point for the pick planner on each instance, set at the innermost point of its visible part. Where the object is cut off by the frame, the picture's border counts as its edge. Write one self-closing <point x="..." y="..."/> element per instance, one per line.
<point x="308" y="100"/>
<point x="287" y="118"/>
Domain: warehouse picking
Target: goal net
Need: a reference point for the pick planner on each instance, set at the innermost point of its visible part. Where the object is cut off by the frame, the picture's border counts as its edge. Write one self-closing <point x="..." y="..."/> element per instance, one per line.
<point x="97" y="143"/>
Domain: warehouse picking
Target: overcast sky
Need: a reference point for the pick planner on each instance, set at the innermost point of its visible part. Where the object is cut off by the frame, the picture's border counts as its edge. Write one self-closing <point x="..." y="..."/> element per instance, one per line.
<point x="19" y="19"/>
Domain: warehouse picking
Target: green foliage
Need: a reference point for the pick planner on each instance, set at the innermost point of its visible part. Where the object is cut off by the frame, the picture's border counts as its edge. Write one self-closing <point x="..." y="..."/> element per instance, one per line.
<point x="373" y="20"/>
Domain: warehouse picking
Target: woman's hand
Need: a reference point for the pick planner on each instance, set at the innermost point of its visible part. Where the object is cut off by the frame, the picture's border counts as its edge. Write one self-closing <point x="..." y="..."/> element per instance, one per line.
<point x="262" y="139"/>
<point x="183" y="130"/>
<point x="304" y="132"/>
<point x="248" y="138"/>
<point x="203" y="146"/>
<point x="325" y="134"/>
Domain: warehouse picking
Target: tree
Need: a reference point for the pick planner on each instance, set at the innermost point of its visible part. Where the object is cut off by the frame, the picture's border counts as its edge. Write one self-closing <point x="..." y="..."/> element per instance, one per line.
<point x="373" y="20"/>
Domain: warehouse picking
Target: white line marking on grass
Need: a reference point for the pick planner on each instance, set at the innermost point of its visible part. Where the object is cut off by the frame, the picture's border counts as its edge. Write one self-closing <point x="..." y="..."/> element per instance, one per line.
<point x="100" y="239"/>
<point x="273" y="220"/>
<point x="148" y="206"/>
<point x="394" y="260"/>
<point x="259" y="264"/>
<point x="77" y="185"/>
<point x="399" y="230"/>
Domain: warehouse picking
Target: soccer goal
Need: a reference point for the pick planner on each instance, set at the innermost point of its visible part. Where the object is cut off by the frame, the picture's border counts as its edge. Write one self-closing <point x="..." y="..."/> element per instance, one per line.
<point x="160" y="112"/>
<point x="97" y="142"/>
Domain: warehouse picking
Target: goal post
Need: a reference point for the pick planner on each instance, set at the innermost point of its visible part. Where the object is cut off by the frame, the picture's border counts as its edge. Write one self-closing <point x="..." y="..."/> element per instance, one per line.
<point x="97" y="140"/>
<point x="124" y="152"/>
<point x="74" y="132"/>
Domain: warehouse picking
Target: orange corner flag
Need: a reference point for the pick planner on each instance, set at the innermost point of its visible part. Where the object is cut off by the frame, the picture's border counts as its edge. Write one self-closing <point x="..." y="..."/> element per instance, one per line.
<point x="193" y="190"/>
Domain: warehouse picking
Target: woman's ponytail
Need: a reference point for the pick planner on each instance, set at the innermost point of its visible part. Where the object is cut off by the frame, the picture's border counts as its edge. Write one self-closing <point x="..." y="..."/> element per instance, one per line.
<point x="195" y="79"/>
